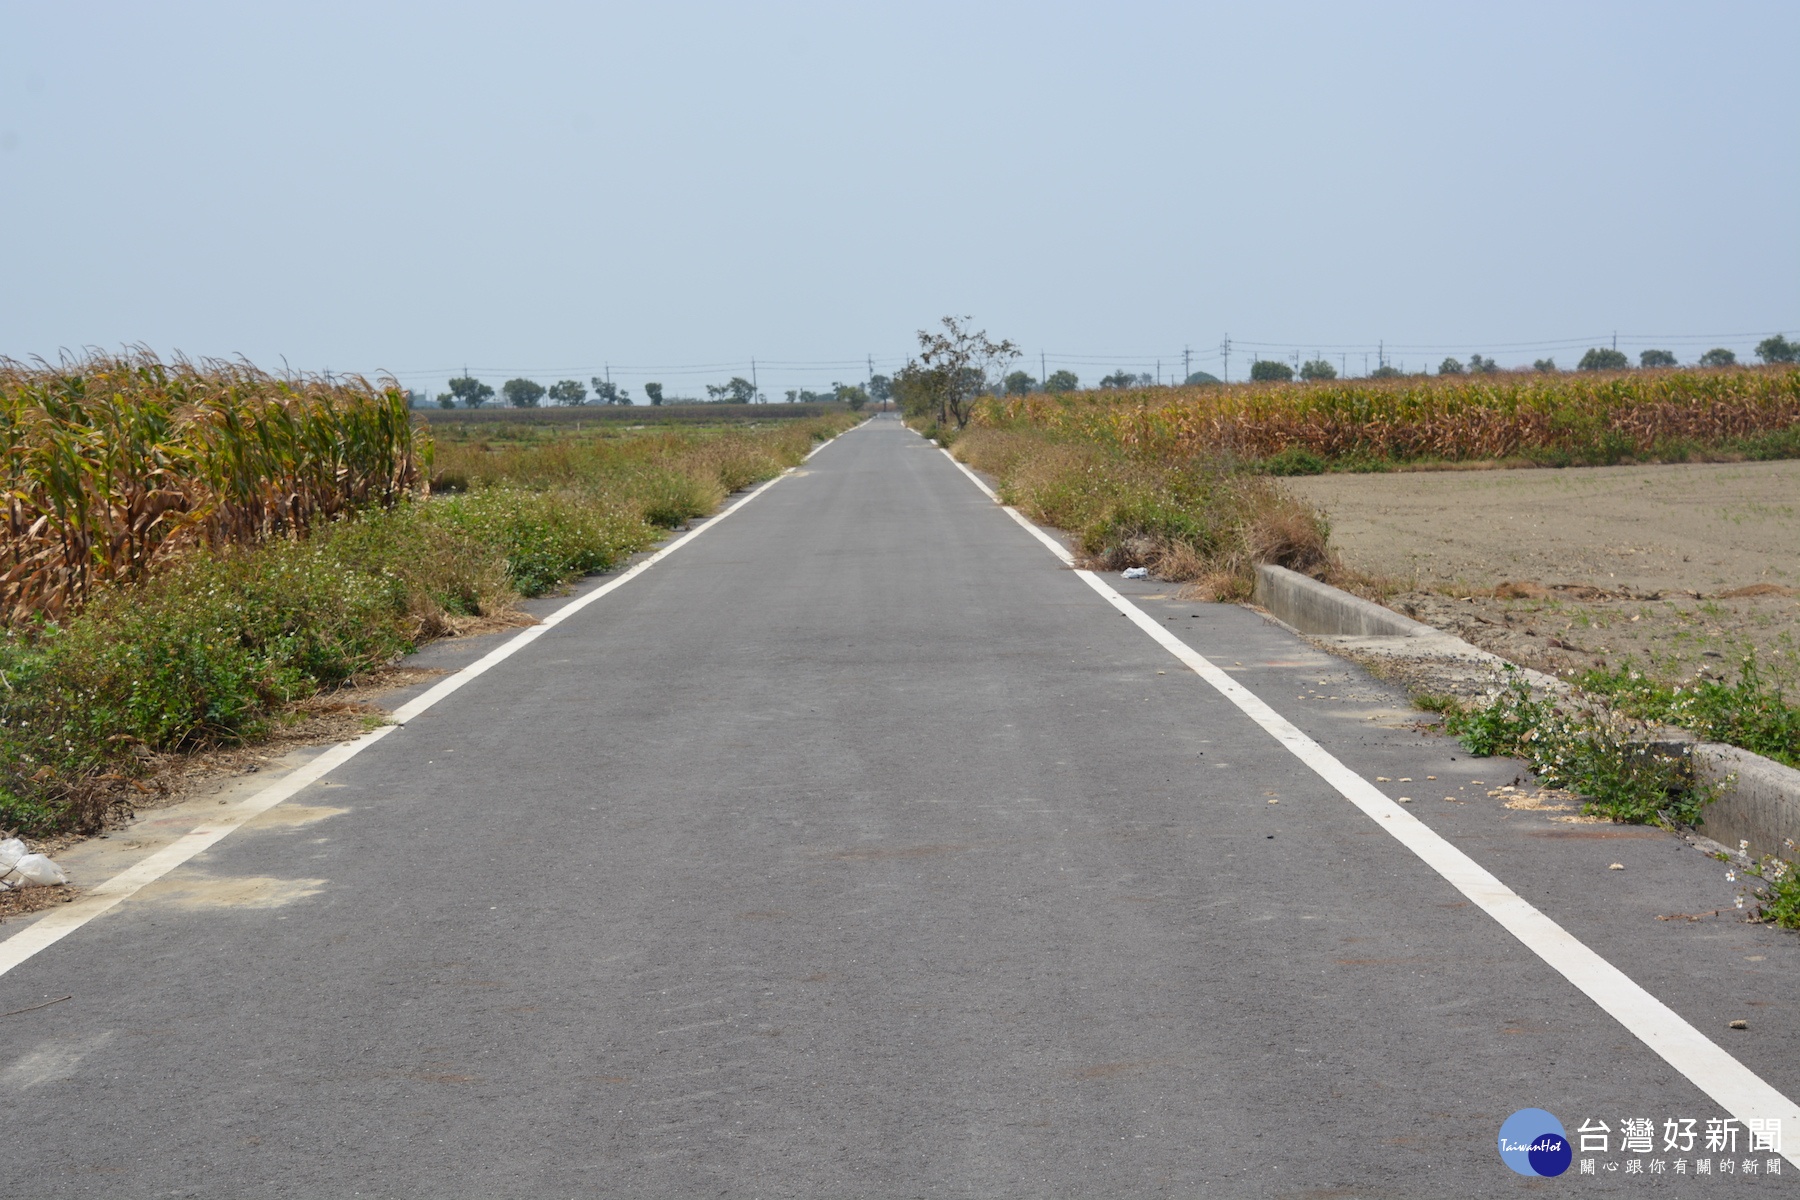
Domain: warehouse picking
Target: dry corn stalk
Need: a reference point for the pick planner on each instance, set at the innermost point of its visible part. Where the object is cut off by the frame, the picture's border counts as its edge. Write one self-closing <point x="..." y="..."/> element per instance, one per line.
<point x="1460" y="418"/>
<point x="112" y="463"/>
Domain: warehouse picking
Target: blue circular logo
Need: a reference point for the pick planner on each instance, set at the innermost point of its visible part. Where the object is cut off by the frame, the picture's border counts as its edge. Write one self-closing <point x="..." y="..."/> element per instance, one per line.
<point x="1532" y="1142"/>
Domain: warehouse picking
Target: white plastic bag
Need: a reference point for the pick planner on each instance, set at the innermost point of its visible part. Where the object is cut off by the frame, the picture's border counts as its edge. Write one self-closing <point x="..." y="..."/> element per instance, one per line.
<point x="35" y="870"/>
<point x="1137" y="573"/>
<point x="19" y="869"/>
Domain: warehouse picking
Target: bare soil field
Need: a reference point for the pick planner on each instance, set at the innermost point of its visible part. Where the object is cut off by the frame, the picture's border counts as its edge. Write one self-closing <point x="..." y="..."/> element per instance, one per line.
<point x="1680" y="566"/>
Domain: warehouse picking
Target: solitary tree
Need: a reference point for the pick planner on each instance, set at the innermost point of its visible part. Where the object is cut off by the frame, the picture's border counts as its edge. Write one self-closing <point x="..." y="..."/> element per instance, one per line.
<point x="1202" y="377"/>
<point x="1719" y="356"/>
<point x="470" y="391"/>
<point x="1450" y="367"/>
<point x="852" y="394"/>
<point x="1546" y="365"/>
<point x="952" y="371"/>
<point x="654" y="391"/>
<point x="1656" y="358"/>
<point x="522" y="393"/>
<point x="1602" y="358"/>
<point x="568" y="391"/>
<point x="1268" y="370"/>
<point x="1482" y="366"/>
<point x="1018" y="383"/>
<point x="1317" y="368"/>
<point x="1061" y="381"/>
<point x="881" y="388"/>
<point x="1385" y="371"/>
<point x="1778" y="349"/>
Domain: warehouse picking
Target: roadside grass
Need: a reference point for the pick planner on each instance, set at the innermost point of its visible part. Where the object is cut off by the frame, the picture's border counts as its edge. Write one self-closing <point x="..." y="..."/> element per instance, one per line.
<point x="217" y="644"/>
<point x="733" y="457"/>
<point x="1199" y="519"/>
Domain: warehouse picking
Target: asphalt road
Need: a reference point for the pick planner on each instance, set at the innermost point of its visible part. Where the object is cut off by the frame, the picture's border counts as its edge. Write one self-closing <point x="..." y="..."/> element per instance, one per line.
<point x="859" y="848"/>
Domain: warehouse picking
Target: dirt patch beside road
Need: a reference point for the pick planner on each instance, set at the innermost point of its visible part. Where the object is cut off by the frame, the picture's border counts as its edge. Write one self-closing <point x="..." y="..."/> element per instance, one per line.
<point x="1699" y="527"/>
<point x="1681" y="635"/>
<point x="1681" y="564"/>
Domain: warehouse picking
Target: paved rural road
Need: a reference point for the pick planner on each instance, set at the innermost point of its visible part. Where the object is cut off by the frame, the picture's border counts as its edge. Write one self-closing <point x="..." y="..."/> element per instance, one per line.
<point x="860" y="848"/>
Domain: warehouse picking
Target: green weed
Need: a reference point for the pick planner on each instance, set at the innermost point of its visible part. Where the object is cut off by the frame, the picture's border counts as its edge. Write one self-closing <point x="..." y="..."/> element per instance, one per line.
<point x="200" y="654"/>
<point x="1591" y="754"/>
<point x="1750" y="712"/>
<point x="1780" y="894"/>
<point x="1294" y="461"/>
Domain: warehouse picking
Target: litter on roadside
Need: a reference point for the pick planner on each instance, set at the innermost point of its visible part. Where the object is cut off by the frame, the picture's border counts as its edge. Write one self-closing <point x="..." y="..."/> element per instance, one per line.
<point x="19" y="869"/>
<point x="1137" y="573"/>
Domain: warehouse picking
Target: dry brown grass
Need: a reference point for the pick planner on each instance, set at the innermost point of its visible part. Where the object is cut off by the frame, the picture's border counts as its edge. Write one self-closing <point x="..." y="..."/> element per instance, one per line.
<point x="1197" y="521"/>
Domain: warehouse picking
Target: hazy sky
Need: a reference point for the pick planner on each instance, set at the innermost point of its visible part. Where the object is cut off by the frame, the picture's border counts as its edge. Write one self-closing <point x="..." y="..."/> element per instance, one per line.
<point x="675" y="188"/>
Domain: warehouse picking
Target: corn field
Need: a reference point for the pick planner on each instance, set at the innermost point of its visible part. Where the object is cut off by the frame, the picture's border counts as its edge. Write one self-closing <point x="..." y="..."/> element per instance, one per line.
<point x="1639" y="414"/>
<point x="112" y="464"/>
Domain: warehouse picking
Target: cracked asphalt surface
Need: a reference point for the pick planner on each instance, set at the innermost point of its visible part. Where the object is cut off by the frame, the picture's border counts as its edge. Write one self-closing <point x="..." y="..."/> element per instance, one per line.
<point x="859" y="848"/>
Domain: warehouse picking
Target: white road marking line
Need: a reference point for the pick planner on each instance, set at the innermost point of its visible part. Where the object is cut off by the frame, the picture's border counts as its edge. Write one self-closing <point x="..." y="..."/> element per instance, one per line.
<point x="59" y="923"/>
<point x="1738" y="1089"/>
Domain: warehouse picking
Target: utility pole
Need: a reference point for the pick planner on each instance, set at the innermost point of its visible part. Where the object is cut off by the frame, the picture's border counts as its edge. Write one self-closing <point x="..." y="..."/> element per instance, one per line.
<point x="1042" y="377"/>
<point x="1159" y="372"/>
<point x="1225" y="350"/>
<point x="1381" y="354"/>
<point x="1186" y="370"/>
<point x="1344" y="363"/>
<point x="753" y="392"/>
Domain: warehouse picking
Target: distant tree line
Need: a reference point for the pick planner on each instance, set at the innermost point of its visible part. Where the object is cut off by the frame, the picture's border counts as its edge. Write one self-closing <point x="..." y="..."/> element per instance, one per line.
<point x="960" y="350"/>
<point x="1022" y="383"/>
<point x="468" y="392"/>
<point x="1775" y="349"/>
